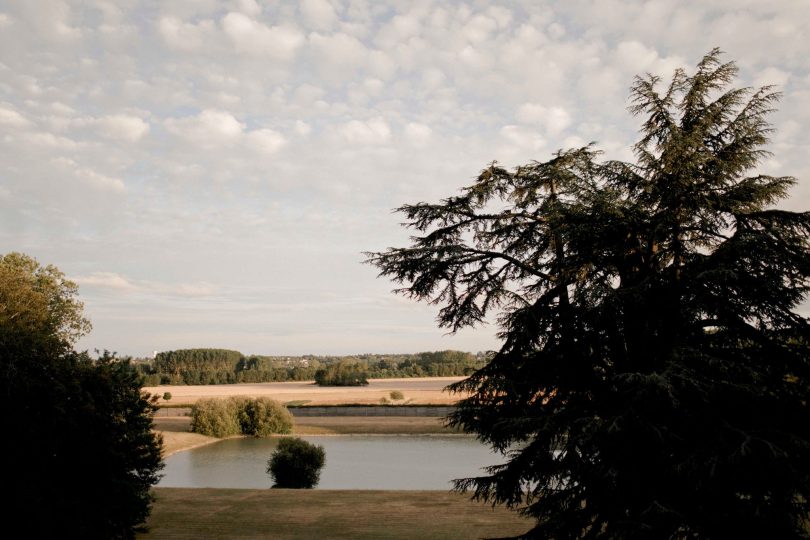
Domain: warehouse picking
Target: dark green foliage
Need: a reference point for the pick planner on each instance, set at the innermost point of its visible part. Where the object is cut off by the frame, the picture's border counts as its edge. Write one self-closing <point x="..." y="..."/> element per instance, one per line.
<point x="167" y="396"/>
<point x="654" y="376"/>
<point x="341" y="374"/>
<point x="80" y="453"/>
<point x="296" y="464"/>
<point x="259" y="417"/>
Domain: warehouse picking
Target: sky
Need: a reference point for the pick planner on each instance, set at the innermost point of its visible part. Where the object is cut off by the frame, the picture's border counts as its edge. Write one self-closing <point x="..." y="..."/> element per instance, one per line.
<point x="210" y="172"/>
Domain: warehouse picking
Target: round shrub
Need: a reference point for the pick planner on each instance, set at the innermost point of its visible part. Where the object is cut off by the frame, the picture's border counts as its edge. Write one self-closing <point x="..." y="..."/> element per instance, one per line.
<point x="296" y="464"/>
<point x="396" y="395"/>
<point x="215" y="418"/>
<point x="167" y="396"/>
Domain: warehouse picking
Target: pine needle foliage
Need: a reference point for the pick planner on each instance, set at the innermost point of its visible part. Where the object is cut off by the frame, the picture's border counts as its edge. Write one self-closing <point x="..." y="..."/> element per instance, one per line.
<point x="654" y="374"/>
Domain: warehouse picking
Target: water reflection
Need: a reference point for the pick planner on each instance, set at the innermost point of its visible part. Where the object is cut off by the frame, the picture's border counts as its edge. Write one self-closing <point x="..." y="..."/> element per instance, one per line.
<point x="352" y="462"/>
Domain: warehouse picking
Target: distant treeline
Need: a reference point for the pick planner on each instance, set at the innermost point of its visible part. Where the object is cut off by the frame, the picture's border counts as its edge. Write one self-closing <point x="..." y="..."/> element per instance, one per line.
<point x="222" y="366"/>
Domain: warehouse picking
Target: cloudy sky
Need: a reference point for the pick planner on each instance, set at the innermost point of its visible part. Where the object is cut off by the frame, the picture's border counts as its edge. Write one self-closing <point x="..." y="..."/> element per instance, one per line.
<point x="209" y="172"/>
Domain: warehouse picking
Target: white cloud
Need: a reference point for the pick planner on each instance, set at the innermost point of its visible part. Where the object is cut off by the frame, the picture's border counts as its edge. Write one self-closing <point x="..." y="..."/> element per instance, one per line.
<point x="106" y="280"/>
<point x="319" y="14"/>
<point x="100" y="181"/>
<point x="307" y="95"/>
<point x="522" y="137"/>
<point x="118" y="283"/>
<point x="217" y="129"/>
<point x="91" y="178"/>
<point x="248" y="7"/>
<point x="479" y="28"/>
<point x="635" y="57"/>
<point x="371" y="132"/>
<point x="553" y="119"/>
<point x="11" y="118"/>
<point x="185" y="36"/>
<point x="49" y="140"/>
<point x="302" y="128"/>
<point x="336" y="53"/>
<point x="123" y="127"/>
<point x="418" y="134"/>
<point x="772" y="76"/>
<point x="210" y="127"/>
<point x="265" y="141"/>
<point x="255" y="38"/>
<point x="398" y="30"/>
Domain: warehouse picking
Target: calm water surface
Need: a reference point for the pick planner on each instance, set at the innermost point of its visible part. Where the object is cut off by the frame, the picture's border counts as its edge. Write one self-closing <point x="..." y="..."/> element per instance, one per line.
<point x="352" y="462"/>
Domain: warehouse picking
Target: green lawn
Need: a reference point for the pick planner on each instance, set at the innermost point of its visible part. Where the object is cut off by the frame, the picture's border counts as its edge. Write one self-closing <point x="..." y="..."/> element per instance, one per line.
<point x="320" y="514"/>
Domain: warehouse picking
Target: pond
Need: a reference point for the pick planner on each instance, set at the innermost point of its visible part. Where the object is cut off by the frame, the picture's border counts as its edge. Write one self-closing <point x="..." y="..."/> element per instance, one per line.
<point x="352" y="462"/>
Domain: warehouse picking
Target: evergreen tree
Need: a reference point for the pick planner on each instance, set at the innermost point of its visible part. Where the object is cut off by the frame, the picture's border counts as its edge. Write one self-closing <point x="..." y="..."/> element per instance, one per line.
<point x="654" y="375"/>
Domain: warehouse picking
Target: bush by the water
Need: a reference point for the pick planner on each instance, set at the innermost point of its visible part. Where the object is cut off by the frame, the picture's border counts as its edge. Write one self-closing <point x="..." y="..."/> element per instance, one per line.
<point x="259" y="417"/>
<point x="296" y="464"/>
<point x="215" y="418"/>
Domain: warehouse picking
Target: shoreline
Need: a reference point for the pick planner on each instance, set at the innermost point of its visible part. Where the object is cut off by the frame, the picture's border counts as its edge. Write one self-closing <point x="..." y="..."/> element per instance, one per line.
<point x="178" y="438"/>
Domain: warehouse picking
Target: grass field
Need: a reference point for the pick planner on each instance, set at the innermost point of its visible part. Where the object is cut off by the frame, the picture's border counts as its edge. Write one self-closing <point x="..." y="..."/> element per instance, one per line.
<point x="416" y="391"/>
<point x="285" y="514"/>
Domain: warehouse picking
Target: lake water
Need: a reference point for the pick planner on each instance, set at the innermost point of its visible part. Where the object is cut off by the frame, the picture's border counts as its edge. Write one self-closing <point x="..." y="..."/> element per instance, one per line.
<point x="352" y="462"/>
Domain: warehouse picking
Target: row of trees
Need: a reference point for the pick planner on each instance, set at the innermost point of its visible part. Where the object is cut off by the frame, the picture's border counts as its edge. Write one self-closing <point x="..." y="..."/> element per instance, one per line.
<point x="80" y="452"/>
<point x="222" y="366"/>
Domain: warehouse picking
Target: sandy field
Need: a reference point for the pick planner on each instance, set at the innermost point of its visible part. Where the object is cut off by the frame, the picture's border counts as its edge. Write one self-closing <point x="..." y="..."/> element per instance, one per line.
<point x="416" y="390"/>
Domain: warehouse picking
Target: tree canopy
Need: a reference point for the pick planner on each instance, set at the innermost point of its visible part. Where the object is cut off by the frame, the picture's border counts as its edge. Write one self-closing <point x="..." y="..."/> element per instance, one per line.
<point x="81" y="455"/>
<point x="653" y="376"/>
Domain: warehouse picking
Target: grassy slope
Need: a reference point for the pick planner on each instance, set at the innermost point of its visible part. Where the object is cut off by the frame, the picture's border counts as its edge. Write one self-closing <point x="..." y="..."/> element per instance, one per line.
<point x="286" y="514"/>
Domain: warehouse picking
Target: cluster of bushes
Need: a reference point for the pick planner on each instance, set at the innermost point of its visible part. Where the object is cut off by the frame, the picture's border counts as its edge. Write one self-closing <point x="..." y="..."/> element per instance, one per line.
<point x="223" y="366"/>
<point x="258" y="417"/>
<point x="342" y="374"/>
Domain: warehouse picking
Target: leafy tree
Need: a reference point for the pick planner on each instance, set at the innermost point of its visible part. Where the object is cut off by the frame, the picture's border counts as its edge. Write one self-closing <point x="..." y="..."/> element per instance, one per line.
<point x="81" y="455"/>
<point x="296" y="464"/>
<point x="653" y="377"/>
